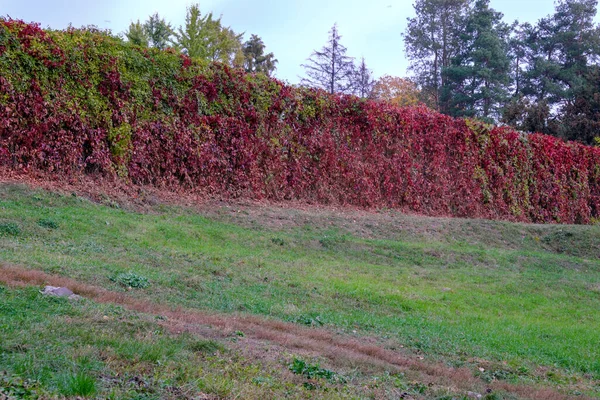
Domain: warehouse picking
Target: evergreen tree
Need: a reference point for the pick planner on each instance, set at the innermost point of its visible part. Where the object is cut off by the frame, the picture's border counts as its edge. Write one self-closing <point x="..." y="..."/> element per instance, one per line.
<point x="254" y="58"/>
<point x="158" y="31"/>
<point x="558" y="92"/>
<point x="136" y="34"/>
<point x="362" y="80"/>
<point x="563" y="46"/>
<point x="432" y="40"/>
<point x="330" y="69"/>
<point x="478" y="77"/>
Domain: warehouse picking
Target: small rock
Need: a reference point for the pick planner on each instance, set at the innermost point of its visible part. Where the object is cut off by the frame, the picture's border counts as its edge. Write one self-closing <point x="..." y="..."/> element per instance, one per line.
<point x="60" y="292"/>
<point x="474" y="395"/>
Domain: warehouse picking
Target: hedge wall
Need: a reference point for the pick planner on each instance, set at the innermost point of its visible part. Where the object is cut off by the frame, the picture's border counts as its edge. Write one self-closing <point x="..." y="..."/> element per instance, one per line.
<point x="83" y="102"/>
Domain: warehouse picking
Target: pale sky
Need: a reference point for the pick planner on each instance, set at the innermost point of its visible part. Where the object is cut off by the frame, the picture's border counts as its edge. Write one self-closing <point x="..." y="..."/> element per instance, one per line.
<point x="290" y="29"/>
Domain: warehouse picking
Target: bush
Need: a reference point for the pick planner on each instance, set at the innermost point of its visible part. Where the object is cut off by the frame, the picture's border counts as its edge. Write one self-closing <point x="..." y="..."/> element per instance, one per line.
<point x="161" y="118"/>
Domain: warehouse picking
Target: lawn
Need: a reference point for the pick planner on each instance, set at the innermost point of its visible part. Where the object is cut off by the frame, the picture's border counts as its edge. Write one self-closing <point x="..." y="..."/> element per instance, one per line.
<point x="511" y="302"/>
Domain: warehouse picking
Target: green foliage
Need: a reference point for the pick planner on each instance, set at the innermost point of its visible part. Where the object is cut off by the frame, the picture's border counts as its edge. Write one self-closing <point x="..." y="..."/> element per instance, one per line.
<point x="48" y="223"/>
<point x="119" y="141"/>
<point x="131" y="279"/>
<point x="278" y="241"/>
<point x="15" y="387"/>
<point x="204" y="37"/>
<point x="309" y="320"/>
<point x="9" y="229"/>
<point x="207" y="347"/>
<point x="255" y="59"/>
<point x="313" y="371"/>
<point x="158" y="31"/>
<point x="432" y="40"/>
<point x="137" y="34"/>
<point x="332" y="240"/>
<point x="478" y="76"/>
<point x="79" y="384"/>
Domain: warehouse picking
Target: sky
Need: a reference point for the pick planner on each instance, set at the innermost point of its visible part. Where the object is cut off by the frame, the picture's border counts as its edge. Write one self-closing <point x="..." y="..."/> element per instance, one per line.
<point x="291" y="29"/>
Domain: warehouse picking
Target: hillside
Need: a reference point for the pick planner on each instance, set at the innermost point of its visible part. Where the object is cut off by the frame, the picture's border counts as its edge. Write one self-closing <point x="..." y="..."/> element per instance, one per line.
<point x="244" y="301"/>
<point x="81" y="102"/>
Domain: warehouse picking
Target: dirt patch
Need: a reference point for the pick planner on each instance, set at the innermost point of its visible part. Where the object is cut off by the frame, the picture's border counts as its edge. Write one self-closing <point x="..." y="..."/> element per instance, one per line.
<point x="340" y="349"/>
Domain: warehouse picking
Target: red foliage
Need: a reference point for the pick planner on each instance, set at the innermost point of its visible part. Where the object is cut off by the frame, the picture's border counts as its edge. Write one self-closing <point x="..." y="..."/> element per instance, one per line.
<point x="231" y="134"/>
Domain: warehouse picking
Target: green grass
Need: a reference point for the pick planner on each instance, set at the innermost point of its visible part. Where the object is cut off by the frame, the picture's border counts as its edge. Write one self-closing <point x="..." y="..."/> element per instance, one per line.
<point x="522" y="300"/>
<point x="51" y="347"/>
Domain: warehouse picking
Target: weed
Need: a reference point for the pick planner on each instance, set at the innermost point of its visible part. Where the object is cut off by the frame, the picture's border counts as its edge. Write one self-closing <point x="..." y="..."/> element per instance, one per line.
<point x="9" y="229"/>
<point x="207" y="347"/>
<point x="313" y="371"/>
<point x="47" y="223"/>
<point x="15" y="387"/>
<point x="131" y="279"/>
<point x="79" y="384"/>
<point x="332" y="241"/>
<point x="278" y="241"/>
<point x="308" y="320"/>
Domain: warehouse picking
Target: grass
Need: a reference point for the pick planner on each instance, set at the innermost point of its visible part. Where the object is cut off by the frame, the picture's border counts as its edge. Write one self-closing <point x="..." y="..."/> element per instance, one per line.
<point x="518" y="301"/>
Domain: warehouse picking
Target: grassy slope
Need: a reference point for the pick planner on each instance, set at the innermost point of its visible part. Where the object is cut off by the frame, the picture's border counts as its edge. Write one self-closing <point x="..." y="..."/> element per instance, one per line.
<point x="519" y="300"/>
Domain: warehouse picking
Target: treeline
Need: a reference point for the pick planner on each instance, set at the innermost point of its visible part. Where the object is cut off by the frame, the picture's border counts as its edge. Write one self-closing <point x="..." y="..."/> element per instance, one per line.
<point x="203" y="37"/>
<point x="543" y="77"/>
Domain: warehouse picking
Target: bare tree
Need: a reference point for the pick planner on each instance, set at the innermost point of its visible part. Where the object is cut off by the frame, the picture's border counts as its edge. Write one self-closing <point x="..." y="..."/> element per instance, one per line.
<point x="330" y="69"/>
<point x="362" y="80"/>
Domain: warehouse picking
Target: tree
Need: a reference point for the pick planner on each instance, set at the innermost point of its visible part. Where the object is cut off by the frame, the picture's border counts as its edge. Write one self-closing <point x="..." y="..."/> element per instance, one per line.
<point x="432" y="39"/>
<point x="399" y="91"/>
<point x="520" y="55"/>
<point x="158" y="31"/>
<point x="564" y="44"/>
<point x="560" y="80"/>
<point x="254" y="58"/>
<point x="330" y="69"/>
<point x="136" y="34"/>
<point x="362" y="80"/>
<point x="206" y="38"/>
<point x="192" y="39"/>
<point x="478" y="76"/>
<point x="580" y="119"/>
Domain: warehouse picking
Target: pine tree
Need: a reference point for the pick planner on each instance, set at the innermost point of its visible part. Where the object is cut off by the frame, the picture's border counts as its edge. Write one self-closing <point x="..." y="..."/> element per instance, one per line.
<point x="330" y="69"/>
<point x="158" y="31"/>
<point x="254" y="58"/>
<point x="432" y="40"/>
<point x="478" y="77"/>
<point x="559" y="90"/>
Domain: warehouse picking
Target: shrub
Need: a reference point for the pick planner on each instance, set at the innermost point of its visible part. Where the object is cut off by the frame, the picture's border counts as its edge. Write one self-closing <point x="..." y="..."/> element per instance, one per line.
<point x="85" y="102"/>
